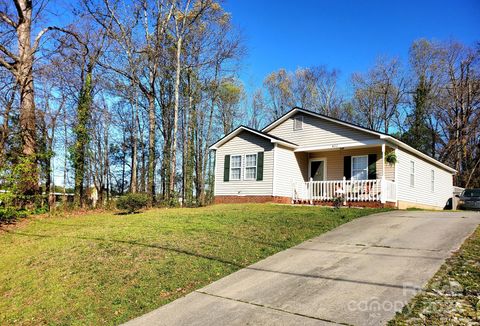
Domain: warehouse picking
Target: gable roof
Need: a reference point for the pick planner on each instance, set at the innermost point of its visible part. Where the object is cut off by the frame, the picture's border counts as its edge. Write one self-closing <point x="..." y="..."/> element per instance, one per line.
<point x="381" y="135"/>
<point x="273" y="139"/>
<point x="295" y="110"/>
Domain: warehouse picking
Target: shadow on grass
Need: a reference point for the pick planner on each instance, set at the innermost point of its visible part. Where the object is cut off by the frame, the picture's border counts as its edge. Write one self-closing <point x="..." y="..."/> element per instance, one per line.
<point x="136" y="243"/>
<point x="126" y="213"/>
<point x="235" y="264"/>
<point x="277" y="245"/>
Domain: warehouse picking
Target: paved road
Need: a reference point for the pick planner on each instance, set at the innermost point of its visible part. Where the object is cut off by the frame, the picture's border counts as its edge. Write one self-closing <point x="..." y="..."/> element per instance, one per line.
<point x="357" y="274"/>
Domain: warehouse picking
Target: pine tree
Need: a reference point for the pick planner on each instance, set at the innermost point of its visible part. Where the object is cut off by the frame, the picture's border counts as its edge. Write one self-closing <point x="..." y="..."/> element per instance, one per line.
<point x="419" y="134"/>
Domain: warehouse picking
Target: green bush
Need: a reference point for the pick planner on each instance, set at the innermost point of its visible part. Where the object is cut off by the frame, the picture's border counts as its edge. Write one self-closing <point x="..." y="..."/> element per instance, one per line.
<point x="132" y="202"/>
<point x="9" y="215"/>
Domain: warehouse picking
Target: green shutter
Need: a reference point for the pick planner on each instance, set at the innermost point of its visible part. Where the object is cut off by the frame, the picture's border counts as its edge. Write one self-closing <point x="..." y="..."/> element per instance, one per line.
<point x="372" y="166"/>
<point x="347" y="167"/>
<point x="260" y="166"/>
<point x="226" y="168"/>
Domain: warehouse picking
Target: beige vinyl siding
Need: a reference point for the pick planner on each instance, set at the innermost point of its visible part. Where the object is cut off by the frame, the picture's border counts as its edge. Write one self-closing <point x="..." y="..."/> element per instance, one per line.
<point x="290" y="168"/>
<point x="421" y="192"/>
<point x="335" y="161"/>
<point x="243" y="144"/>
<point x="319" y="132"/>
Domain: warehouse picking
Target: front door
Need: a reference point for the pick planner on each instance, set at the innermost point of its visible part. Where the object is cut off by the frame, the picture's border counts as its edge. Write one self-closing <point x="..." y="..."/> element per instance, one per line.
<point x="317" y="170"/>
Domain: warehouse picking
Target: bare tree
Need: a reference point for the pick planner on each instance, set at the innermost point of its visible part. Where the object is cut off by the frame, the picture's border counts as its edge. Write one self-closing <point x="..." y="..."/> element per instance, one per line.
<point x="141" y="68"/>
<point x="230" y="94"/>
<point x="18" y="21"/>
<point x="185" y="17"/>
<point x="378" y="94"/>
<point x="257" y="118"/>
<point x="316" y="89"/>
<point x="7" y="101"/>
<point x="458" y="110"/>
<point x="278" y="86"/>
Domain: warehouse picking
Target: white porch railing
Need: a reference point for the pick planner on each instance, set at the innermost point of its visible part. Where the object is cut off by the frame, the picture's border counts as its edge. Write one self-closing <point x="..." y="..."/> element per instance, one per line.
<point x="349" y="190"/>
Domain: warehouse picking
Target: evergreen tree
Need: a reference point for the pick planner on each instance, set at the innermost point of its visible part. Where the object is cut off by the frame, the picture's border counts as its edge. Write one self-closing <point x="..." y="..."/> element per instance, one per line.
<point x="419" y="134"/>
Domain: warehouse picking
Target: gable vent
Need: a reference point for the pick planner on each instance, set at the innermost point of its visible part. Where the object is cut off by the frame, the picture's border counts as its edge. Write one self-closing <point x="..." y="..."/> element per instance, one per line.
<point x="298" y="122"/>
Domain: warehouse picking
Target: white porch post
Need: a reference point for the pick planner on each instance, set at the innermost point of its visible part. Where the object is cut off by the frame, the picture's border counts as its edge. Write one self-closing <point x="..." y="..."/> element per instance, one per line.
<point x="310" y="191"/>
<point x="383" y="185"/>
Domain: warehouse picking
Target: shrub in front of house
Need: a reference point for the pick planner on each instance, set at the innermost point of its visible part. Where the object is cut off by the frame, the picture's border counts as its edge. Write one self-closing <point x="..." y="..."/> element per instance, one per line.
<point x="132" y="203"/>
<point x="9" y="214"/>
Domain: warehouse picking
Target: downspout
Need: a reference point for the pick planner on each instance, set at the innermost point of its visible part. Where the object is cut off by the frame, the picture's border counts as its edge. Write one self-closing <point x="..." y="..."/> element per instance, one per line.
<point x="396" y="177"/>
<point x="274" y="192"/>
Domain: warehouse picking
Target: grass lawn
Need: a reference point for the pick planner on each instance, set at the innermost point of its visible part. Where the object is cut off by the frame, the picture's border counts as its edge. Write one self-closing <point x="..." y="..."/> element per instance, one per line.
<point x="105" y="268"/>
<point x="452" y="296"/>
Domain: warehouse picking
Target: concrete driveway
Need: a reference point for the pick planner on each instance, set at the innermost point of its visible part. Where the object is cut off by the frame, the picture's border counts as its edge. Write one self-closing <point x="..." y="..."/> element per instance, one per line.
<point x="358" y="274"/>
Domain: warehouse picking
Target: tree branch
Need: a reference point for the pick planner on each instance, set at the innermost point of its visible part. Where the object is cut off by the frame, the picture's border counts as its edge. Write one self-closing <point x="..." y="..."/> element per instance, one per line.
<point x="10" y="54"/>
<point x="8" y="20"/>
<point x="19" y="10"/>
<point x="9" y="66"/>
<point x="54" y="28"/>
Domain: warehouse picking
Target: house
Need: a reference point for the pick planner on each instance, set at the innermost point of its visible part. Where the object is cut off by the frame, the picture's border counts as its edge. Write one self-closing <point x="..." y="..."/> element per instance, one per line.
<point x="306" y="157"/>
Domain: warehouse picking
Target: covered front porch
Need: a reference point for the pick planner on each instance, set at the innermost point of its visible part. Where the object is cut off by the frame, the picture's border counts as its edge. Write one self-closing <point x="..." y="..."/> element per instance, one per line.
<point x="353" y="175"/>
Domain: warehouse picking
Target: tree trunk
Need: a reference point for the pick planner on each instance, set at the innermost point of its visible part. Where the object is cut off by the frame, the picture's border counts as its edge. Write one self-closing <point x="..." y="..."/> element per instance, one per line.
<point x="133" y="176"/>
<point x="29" y="175"/>
<point x="65" y="156"/>
<point x="82" y="138"/>
<point x="124" y="162"/>
<point x="151" y="148"/>
<point x="175" y="116"/>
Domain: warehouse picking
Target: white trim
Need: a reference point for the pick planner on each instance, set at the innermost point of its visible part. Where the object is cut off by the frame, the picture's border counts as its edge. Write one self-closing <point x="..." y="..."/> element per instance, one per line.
<point x="396" y="180"/>
<point x="245" y="168"/>
<point x="383" y="161"/>
<point x="230" y="171"/>
<point x="351" y="165"/>
<point x="324" y="159"/>
<point x="332" y="147"/>
<point x="274" y="188"/>
<point x="242" y="128"/>
<point x="418" y="153"/>
<point x="381" y="135"/>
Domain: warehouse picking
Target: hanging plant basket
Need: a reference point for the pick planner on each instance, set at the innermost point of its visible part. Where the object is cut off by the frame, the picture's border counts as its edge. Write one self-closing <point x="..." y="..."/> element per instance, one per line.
<point x="391" y="158"/>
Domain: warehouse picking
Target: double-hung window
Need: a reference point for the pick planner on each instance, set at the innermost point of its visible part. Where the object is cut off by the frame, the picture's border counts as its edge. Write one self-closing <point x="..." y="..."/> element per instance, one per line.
<point x="360" y="167"/>
<point x="412" y="174"/>
<point x="236" y="167"/>
<point x="251" y="167"/>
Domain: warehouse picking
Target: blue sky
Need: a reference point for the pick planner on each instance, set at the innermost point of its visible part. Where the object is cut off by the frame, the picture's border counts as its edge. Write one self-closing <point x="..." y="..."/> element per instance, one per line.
<point x="347" y="35"/>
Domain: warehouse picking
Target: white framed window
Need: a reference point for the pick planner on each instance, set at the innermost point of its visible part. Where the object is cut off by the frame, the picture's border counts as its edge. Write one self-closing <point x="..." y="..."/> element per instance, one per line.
<point x="298" y="122"/>
<point x="432" y="180"/>
<point x="360" y="167"/>
<point x="251" y="167"/>
<point x="235" y="167"/>
<point x="412" y="174"/>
